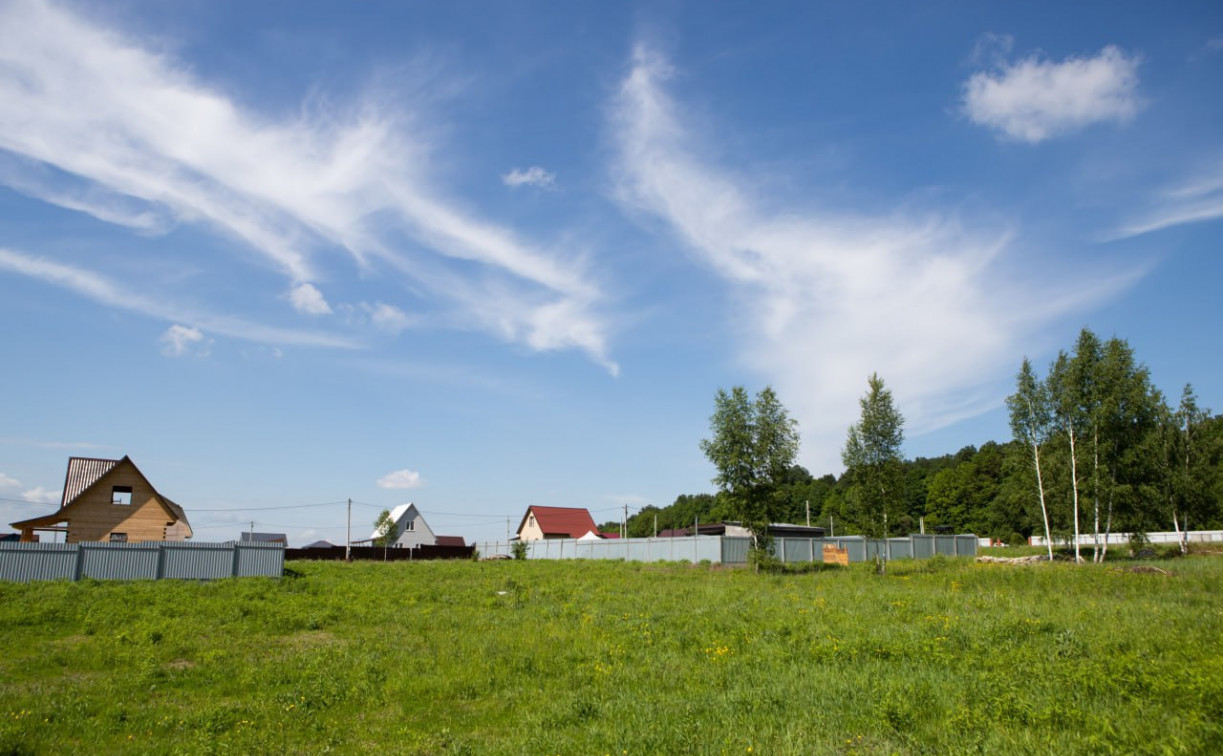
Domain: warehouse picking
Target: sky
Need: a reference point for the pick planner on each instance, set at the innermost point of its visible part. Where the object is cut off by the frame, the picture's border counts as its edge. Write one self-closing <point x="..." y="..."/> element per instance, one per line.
<point x="483" y="255"/>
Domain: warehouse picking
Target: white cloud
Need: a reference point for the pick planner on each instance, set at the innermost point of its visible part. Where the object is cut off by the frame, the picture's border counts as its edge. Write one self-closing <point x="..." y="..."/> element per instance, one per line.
<point x="1035" y="99"/>
<point x="401" y="479"/>
<point x="42" y="495"/>
<point x="823" y="299"/>
<point x="533" y="176"/>
<point x="306" y="299"/>
<point x="387" y="317"/>
<point x="103" y="290"/>
<point x="178" y="340"/>
<point x="1196" y="200"/>
<point x="150" y="145"/>
<point x="7" y="481"/>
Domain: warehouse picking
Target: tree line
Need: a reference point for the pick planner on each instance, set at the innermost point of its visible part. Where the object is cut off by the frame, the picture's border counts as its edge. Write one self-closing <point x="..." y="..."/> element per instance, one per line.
<point x="1096" y="448"/>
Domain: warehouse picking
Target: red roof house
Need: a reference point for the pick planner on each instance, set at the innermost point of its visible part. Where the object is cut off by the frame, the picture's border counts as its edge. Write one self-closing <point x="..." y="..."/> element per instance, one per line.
<point x="555" y="522"/>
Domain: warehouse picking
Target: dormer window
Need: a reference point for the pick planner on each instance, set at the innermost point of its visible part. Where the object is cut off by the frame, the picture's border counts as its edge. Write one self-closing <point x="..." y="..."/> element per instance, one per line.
<point x="121" y="495"/>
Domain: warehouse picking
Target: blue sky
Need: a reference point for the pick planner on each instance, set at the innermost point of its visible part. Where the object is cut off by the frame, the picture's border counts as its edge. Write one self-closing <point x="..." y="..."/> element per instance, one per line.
<point x="484" y="255"/>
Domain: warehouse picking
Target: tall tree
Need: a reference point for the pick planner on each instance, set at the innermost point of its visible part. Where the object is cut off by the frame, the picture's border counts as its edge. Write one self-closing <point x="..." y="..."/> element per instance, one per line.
<point x="1126" y="414"/>
<point x="1032" y="425"/>
<point x="753" y="446"/>
<point x="1190" y="477"/>
<point x="1066" y="389"/>
<point x="873" y="459"/>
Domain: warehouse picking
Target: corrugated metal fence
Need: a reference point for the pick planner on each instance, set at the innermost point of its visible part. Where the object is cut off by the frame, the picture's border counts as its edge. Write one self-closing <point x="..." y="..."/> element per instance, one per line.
<point x="151" y="560"/>
<point x="733" y="550"/>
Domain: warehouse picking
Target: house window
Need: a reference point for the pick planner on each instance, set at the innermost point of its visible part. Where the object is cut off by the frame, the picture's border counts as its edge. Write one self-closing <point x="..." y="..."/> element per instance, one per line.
<point x="121" y="495"/>
<point x="118" y="537"/>
<point x="531" y="521"/>
<point x="410" y="525"/>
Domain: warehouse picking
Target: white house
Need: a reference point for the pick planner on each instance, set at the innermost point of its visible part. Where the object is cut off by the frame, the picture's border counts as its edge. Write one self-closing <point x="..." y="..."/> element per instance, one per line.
<point x="410" y="528"/>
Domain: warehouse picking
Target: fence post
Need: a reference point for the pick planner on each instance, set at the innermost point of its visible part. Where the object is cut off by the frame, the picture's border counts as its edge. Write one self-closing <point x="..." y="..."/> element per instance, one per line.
<point x="237" y="551"/>
<point x="80" y="563"/>
<point x="161" y="562"/>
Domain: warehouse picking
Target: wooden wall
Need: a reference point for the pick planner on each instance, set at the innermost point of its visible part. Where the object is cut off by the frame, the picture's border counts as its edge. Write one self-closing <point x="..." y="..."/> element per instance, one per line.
<point x="94" y="518"/>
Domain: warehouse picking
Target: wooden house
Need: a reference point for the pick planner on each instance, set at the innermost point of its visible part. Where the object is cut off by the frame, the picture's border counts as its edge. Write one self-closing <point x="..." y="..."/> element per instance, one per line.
<point x="109" y="500"/>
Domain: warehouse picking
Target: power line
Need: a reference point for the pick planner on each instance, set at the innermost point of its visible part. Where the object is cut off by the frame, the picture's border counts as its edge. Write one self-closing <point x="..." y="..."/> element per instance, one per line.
<point x="268" y="509"/>
<point x="29" y="501"/>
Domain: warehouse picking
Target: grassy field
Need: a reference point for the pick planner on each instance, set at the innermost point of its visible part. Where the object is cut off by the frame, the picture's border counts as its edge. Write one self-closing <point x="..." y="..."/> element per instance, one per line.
<point x="943" y="656"/>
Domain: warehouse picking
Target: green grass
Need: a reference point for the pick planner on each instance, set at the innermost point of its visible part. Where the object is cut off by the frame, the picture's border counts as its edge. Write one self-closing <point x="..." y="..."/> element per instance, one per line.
<point x="941" y="656"/>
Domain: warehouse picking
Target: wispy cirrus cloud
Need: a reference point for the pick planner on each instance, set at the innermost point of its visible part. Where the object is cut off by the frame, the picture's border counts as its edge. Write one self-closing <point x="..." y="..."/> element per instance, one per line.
<point x="1034" y="99"/>
<point x="105" y="291"/>
<point x="147" y="146"/>
<point x="1197" y="199"/>
<point x="825" y="298"/>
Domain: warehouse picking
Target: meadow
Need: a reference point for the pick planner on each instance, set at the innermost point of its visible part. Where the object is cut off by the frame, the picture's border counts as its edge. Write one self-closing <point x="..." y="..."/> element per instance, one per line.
<point x="940" y="656"/>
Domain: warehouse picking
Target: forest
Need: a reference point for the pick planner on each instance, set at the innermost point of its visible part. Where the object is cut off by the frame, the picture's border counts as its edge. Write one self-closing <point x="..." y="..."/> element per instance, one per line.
<point x="1096" y="448"/>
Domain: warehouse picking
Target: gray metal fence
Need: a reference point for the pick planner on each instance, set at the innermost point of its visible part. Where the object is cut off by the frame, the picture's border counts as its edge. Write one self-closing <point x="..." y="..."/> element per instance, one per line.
<point x="733" y="549"/>
<point x="151" y="560"/>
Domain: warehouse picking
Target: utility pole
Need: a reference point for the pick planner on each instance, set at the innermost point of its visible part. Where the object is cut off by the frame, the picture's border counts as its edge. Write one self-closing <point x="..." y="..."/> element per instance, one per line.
<point x="348" y="543"/>
<point x="832" y="531"/>
<point x="655" y="525"/>
<point x="808" y="502"/>
<point x="252" y="531"/>
<point x="624" y="530"/>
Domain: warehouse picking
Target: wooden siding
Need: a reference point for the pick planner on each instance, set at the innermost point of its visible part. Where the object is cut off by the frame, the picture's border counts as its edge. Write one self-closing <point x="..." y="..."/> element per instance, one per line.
<point x="92" y="517"/>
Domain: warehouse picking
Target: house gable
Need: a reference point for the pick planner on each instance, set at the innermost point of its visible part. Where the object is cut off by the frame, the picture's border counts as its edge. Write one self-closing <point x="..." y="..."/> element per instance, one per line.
<point x="555" y="522"/>
<point x="112" y="500"/>
<point x="410" y="528"/>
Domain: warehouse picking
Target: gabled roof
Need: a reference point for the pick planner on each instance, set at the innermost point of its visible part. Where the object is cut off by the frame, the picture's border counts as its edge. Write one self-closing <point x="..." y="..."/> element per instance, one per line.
<point x="83" y="474"/>
<point x="569" y="522"/>
<point x="249" y="537"/>
<point x="397" y="515"/>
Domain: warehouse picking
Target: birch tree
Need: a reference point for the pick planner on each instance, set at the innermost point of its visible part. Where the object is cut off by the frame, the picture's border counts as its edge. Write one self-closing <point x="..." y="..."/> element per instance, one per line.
<point x="1064" y="391"/>
<point x="753" y="445"/>
<point x="873" y="459"/>
<point x="1032" y="425"/>
<point x="1188" y="484"/>
<point x="1126" y="412"/>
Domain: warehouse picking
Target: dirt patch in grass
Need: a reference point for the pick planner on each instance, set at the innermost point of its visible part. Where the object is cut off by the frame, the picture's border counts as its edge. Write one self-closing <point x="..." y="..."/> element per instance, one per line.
<point x="1144" y="569"/>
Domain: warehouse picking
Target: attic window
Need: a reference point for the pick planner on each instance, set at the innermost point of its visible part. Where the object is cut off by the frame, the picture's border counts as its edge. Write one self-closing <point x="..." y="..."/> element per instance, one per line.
<point x="531" y="521"/>
<point x="409" y="525"/>
<point x="121" y="495"/>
